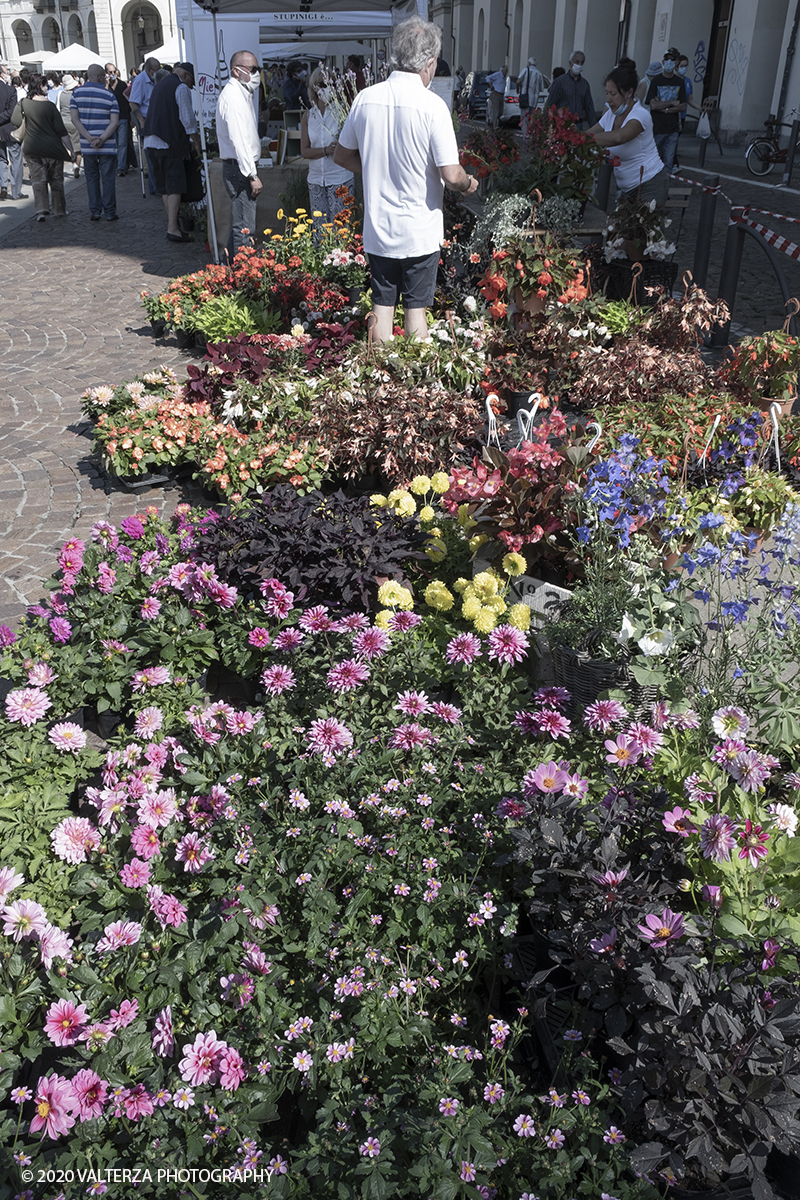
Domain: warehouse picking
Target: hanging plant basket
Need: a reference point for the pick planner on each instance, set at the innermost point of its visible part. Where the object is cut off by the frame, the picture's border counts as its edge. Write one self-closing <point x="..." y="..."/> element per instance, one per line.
<point x="651" y="273"/>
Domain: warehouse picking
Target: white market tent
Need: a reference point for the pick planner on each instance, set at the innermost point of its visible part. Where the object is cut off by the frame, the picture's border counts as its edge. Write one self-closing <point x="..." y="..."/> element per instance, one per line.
<point x="36" y="58"/>
<point x="171" y="52"/>
<point x="281" y="51"/>
<point x="73" y="58"/>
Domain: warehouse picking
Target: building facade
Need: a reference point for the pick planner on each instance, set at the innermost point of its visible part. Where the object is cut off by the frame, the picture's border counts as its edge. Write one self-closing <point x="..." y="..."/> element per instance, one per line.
<point x="122" y="31"/>
<point x="742" y="53"/>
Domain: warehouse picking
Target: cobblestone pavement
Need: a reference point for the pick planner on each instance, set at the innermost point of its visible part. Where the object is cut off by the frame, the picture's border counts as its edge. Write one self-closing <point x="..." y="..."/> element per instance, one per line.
<point x="72" y="319"/>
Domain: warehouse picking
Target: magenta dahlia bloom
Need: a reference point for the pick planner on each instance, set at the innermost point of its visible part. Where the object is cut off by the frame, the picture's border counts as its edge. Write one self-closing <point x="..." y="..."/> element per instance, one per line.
<point x="238" y="989"/>
<point x="150" y="608"/>
<point x="144" y="842"/>
<point x="163" y="1039"/>
<point x="193" y="852"/>
<point x="448" y="713"/>
<point x="409" y="736"/>
<point x="60" y="629"/>
<point x="232" y="1070"/>
<point x="601" y="715"/>
<point x="136" y="873"/>
<point x="678" y="820"/>
<point x="328" y="736"/>
<point x="412" y="703"/>
<point x="7" y="636"/>
<point x="276" y="680"/>
<point x="201" y="1060"/>
<point x="27" y="705"/>
<point x="463" y="648"/>
<point x="754" y="842"/>
<point x="74" y="838"/>
<point x="371" y="643"/>
<point x="402" y="622"/>
<point x="258" y="637"/>
<point x="546" y="778"/>
<point x="125" y="1015"/>
<point x="718" y="837"/>
<point x="55" y="1105"/>
<point x="133" y="527"/>
<point x="138" y="1102"/>
<point x="148" y="721"/>
<point x="119" y="933"/>
<point x="90" y="1093"/>
<point x="552" y="723"/>
<point x="771" y="951"/>
<point x="150" y="677"/>
<point x="67" y="737"/>
<point x="507" y="644"/>
<point x="552" y="696"/>
<point x="658" y="931"/>
<point x="316" y="619"/>
<point x="347" y="675"/>
<point x="65" y="1022"/>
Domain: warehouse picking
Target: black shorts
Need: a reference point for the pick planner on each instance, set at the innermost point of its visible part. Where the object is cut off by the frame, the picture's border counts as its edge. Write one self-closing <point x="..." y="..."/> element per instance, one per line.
<point x="169" y="172"/>
<point x="412" y="278"/>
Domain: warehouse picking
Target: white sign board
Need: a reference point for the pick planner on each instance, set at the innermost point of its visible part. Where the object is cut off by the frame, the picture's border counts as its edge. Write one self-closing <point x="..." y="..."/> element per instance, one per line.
<point x="443" y="85"/>
<point x="211" y="70"/>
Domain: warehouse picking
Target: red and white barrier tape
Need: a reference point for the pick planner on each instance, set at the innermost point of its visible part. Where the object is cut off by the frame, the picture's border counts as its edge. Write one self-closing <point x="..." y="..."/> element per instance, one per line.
<point x="748" y="208"/>
<point x="776" y="240"/>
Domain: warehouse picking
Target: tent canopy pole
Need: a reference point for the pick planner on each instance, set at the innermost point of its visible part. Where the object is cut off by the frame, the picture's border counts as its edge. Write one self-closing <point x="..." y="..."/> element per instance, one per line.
<point x="212" y="225"/>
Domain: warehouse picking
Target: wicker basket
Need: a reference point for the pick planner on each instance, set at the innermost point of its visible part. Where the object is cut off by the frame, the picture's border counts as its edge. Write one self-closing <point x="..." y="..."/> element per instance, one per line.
<point x="653" y="274"/>
<point x="586" y="677"/>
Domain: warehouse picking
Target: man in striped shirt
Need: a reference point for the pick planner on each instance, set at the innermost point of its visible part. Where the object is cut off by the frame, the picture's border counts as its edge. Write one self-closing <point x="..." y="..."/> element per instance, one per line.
<point x="95" y="115"/>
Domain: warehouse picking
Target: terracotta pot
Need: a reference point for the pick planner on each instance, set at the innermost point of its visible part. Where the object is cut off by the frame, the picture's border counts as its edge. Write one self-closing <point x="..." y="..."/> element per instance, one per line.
<point x="786" y="404"/>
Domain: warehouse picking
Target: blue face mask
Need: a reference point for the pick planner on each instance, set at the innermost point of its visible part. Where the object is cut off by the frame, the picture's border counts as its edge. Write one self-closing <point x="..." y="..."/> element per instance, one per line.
<point x="623" y="108"/>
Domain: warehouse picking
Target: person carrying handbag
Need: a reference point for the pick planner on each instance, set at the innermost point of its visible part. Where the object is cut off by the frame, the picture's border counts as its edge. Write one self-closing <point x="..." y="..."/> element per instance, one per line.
<point x="46" y="146"/>
<point x="10" y="150"/>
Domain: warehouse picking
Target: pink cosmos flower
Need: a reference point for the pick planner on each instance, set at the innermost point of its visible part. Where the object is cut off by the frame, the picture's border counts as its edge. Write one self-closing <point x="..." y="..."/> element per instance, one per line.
<point x="9" y="879"/>
<point x="201" y="1060"/>
<point x="232" y="1070"/>
<point x="277" y="679"/>
<point x="27" y="705"/>
<point x="614" y="1136"/>
<point x="554" y="1140"/>
<point x="371" y="643"/>
<point x="678" y="821"/>
<point x="575" y="785"/>
<point x="119" y="933"/>
<point x="448" y="1106"/>
<point x="24" y="919"/>
<point x="144" y="842"/>
<point x="604" y="944"/>
<point x="507" y="644"/>
<point x="89" y="1092"/>
<point x="658" y="931"/>
<point x="328" y="736"/>
<point x="493" y="1092"/>
<point x="547" y="777"/>
<point x="464" y="648"/>
<point x="193" y="852"/>
<point x="524" y="1125"/>
<point x="603" y="714"/>
<point x="183" y="1098"/>
<point x="125" y="1015"/>
<point x="163" y="1039"/>
<point x="74" y="838"/>
<point x="55" y="1104"/>
<point x="64" y="1022"/>
<point x="412" y="703"/>
<point x="371" y="1148"/>
<point x="54" y="943"/>
<point x="467" y="1171"/>
<point x="347" y="675"/>
<point x="754" y="842"/>
<point x="623" y="752"/>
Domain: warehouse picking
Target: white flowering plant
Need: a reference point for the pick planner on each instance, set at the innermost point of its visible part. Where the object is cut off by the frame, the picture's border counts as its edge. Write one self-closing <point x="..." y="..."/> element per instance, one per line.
<point x="638" y="226"/>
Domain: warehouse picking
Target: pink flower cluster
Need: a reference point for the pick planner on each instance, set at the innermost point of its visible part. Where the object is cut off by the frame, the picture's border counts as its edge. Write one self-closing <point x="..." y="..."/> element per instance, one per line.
<point x="209" y="1059"/>
<point x="198" y="583"/>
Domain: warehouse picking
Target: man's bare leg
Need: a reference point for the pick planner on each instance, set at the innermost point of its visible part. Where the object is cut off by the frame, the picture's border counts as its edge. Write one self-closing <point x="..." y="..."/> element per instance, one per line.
<point x="417" y="323"/>
<point x="384" y="322"/>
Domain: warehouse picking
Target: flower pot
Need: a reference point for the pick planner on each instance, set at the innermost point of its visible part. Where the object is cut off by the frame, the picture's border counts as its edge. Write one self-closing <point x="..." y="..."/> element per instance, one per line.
<point x="354" y="294"/>
<point x="158" y="325"/>
<point x="785" y="404"/>
<point x="586" y="678"/>
<point x="184" y="338"/>
<point x="200" y="341"/>
<point x="633" y="250"/>
<point x="517" y="400"/>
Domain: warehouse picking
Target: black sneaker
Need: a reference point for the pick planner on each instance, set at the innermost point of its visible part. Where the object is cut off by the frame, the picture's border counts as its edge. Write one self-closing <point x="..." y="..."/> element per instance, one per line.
<point x="93" y="218"/>
<point x="3" y="194"/>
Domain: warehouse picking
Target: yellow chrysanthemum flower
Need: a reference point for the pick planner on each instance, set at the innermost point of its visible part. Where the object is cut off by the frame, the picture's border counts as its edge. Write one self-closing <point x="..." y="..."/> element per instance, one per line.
<point x="379" y="500"/>
<point x="519" y="615"/>
<point x="514" y="564"/>
<point x="438" y="596"/>
<point x="396" y="495"/>
<point x="383" y="618"/>
<point x="395" y="595"/>
<point x="406" y="507"/>
<point x="471" y="607"/>
<point x="486" y="584"/>
<point x="497" y="604"/>
<point x="440" y="483"/>
<point x="461" y="586"/>
<point x="420" y="485"/>
<point x="484" y="621"/>
<point x="436" y="550"/>
<point x="426" y="514"/>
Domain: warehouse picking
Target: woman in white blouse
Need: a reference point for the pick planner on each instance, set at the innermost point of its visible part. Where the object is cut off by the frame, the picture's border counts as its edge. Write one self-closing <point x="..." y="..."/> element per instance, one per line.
<point x="626" y="128"/>
<point x="318" y="139"/>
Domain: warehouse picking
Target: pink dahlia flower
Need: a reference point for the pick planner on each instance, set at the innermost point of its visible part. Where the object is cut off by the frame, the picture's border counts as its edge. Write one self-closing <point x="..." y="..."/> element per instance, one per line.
<point x="24" y="919"/>
<point x="231" y="1069"/>
<point x="74" y="838"/>
<point x="90" y="1093"/>
<point x="201" y="1060"/>
<point x="193" y="852"/>
<point x="328" y="736"/>
<point x="55" y="1104"/>
<point x="27" y="705"/>
<point x="119" y="933"/>
<point x="507" y="644"/>
<point x="163" y="1040"/>
<point x="65" y="1022"/>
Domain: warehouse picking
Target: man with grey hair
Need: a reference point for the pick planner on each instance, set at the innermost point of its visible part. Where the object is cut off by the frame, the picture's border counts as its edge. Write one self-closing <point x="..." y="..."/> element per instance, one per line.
<point x="95" y="114"/>
<point x="399" y="137"/>
<point x="572" y="91"/>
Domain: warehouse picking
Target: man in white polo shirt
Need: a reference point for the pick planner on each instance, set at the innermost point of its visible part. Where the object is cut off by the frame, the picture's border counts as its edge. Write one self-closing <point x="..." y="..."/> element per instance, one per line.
<point x="400" y="137"/>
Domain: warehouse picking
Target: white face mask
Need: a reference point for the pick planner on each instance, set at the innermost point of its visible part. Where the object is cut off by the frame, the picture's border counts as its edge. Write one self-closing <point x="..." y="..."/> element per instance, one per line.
<point x="576" y="68"/>
<point x="252" y="83"/>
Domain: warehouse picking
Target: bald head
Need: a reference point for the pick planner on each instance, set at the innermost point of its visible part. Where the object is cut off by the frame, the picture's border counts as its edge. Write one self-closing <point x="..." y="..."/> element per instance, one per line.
<point x="95" y="73"/>
<point x="151" y="65"/>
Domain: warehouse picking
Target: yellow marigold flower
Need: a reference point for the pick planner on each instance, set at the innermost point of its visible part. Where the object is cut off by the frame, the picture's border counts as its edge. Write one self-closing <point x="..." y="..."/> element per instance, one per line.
<point x="394" y="594"/>
<point x="484" y="621"/>
<point x="471" y="607"/>
<point x="464" y="519"/>
<point x="461" y="585"/>
<point x="440" y="483"/>
<point x="406" y="507"/>
<point x="497" y="604"/>
<point x="279" y="214"/>
<point x="519" y="615"/>
<point x="267" y="232"/>
<point x="383" y="618"/>
<point x="514" y="564"/>
<point x="438" y="596"/>
<point x="486" y="584"/>
<point x="397" y="494"/>
<point x="420" y="485"/>
<point x="316" y="213"/>
<point x="379" y="500"/>
<point x="427" y="514"/>
<point x="476" y="542"/>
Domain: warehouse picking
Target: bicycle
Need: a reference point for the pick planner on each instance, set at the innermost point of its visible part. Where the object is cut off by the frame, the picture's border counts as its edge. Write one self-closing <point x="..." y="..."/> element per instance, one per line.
<point x="764" y="153"/>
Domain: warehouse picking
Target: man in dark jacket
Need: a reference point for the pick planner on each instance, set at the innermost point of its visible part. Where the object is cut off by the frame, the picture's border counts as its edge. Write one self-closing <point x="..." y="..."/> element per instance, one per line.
<point x="117" y="87"/>
<point x="169" y="132"/>
<point x="10" y="151"/>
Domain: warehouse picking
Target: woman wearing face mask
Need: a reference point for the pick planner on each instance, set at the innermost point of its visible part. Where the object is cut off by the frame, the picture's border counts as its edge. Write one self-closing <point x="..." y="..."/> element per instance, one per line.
<point x="319" y="135"/>
<point x="626" y="128"/>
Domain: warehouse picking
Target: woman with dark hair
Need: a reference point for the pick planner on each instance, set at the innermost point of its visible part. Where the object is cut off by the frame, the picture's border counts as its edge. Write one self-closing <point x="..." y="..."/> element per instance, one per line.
<point x="626" y="128"/>
<point x="46" y="146"/>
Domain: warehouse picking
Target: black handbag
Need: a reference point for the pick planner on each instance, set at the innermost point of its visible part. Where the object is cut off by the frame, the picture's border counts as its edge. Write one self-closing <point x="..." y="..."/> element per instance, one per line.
<point x="194" y="181"/>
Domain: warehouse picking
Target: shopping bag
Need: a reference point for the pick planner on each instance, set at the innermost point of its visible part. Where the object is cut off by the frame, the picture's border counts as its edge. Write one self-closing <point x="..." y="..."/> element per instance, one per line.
<point x="704" y="126"/>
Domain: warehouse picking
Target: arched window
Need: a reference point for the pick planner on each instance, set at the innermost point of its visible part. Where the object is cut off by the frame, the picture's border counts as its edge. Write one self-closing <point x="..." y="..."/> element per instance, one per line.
<point x="74" y="30"/>
<point x="24" y="36"/>
<point x="51" y="35"/>
<point x="91" y="26"/>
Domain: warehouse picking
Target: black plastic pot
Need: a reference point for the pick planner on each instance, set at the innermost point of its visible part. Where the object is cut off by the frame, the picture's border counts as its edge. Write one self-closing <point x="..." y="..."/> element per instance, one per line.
<point x="158" y="325"/>
<point x="184" y="338"/>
